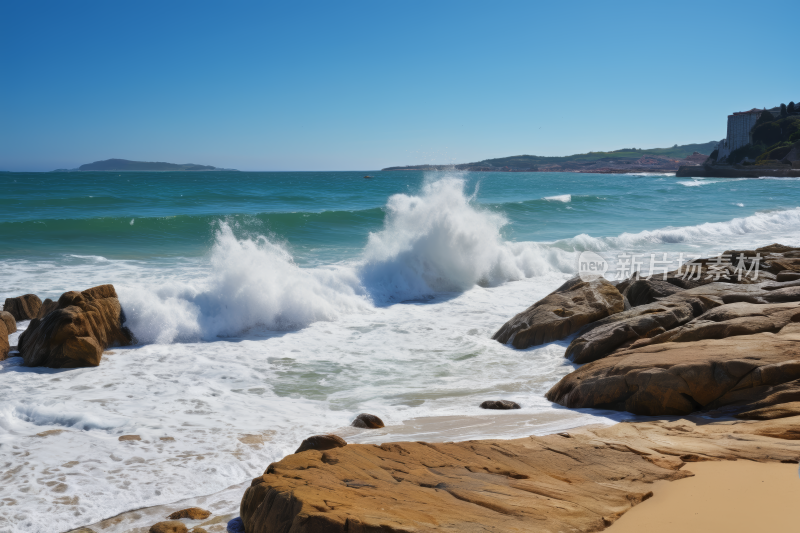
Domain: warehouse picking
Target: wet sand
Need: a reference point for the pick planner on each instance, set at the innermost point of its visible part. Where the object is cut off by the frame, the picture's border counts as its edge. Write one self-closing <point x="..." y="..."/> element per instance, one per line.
<point x="723" y="496"/>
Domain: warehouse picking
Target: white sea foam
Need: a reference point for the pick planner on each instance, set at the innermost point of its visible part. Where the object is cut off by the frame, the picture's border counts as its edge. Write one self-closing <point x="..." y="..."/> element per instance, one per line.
<point x="760" y="227"/>
<point x="437" y="241"/>
<point x="566" y="198"/>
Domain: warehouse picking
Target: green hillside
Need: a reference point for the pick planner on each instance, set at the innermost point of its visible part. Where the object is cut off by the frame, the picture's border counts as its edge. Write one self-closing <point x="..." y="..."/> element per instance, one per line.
<point x="527" y="161"/>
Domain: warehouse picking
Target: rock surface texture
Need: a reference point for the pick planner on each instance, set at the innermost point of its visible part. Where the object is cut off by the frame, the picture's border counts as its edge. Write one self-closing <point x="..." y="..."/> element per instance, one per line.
<point x="678" y="378"/>
<point x="23" y="307"/>
<point x="76" y="333"/>
<point x="580" y="481"/>
<point x="562" y="313"/>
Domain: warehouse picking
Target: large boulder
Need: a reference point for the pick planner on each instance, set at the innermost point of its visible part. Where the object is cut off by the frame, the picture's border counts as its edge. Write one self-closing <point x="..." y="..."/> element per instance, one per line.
<point x="681" y="377"/>
<point x="562" y="313"/>
<point x="23" y="307"/>
<point x="76" y="333"/>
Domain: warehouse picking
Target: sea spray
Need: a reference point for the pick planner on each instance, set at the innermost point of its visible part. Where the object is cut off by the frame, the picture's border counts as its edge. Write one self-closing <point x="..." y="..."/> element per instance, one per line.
<point x="437" y="241"/>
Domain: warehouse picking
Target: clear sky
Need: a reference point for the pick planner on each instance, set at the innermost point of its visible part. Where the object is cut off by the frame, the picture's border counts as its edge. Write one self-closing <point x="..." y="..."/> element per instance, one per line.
<point x="361" y="85"/>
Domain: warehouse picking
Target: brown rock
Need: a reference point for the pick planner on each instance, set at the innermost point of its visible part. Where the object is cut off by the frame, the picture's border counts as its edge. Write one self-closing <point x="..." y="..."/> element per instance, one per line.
<point x="772" y="412"/>
<point x="550" y="483"/>
<point x="124" y="438"/>
<point x="499" y="404"/>
<point x="76" y="333"/>
<point x="729" y="321"/>
<point x="787" y="275"/>
<point x="169" y="527"/>
<point x="47" y="306"/>
<point x="192" y="513"/>
<point x="321" y="442"/>
<point x="681" y="377"/>
<point x="646" y="291"/>
<point x="562" y="313"/>
<point x="601" y="338"/>
<point x="8" y="319"/>
<point x="776" y="249"/>
<point x="23" y="307"/>
<point x="5" y="348"/>
<point x="365" y="420"/>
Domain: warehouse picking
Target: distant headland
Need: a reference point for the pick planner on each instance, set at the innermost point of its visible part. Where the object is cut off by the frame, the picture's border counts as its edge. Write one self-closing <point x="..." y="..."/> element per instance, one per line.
<point x="619" y="161"/>
<point x="122" y="165"/>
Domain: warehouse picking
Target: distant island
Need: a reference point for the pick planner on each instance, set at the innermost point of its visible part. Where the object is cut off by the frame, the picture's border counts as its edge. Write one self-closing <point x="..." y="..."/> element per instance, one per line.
<point x="121" y="165"/>
<point x="618" y="161"/>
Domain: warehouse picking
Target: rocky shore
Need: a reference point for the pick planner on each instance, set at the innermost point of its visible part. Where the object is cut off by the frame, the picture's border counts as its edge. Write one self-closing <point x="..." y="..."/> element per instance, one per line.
<point x="710" y="353"/>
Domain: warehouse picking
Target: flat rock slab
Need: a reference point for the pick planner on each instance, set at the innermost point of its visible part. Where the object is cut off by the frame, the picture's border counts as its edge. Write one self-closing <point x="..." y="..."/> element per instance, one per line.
<point x="678" y="378"/>
<point x="581" y="481"/>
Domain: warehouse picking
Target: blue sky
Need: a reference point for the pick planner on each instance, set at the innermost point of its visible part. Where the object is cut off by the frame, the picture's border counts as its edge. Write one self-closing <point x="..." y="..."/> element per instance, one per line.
<point x="360" y="85"/>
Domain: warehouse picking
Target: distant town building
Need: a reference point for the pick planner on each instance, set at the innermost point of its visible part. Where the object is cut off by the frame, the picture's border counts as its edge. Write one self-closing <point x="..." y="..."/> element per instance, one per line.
<point x="740" y="129"/>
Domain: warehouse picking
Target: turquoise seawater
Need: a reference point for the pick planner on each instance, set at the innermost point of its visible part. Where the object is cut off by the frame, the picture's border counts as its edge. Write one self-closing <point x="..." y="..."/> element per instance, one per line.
<point x="325" y="217"/>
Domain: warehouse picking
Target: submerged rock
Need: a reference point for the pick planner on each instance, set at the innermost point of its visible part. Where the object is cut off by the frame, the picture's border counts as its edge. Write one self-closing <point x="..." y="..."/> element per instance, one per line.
<point x="192" y="513"/>
<point x="562" y="313"/>
<point x="76" y="333"/>
<point x="365" y="420"/>
<point x="321" y="442"/>
<point x="25" y="307"/>
<point x="499" y="404"/>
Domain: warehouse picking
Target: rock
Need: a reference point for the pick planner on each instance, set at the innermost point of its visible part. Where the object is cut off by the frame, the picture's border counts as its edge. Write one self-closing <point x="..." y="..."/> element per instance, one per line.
<point x="776" y="266"/>
<point x="365" y="420"/>
<point x="787" y="275"/>
<point x="646" y="291"/>
<point x="47" y="306"/>
<point x="173" y="526"/>
<point x="772" y="412"/>
<point x="124" y="438"/>
<point x="678" y="378"/>
<point x="784" y="294"/>
<point x="562" y="313"/>
<point x="76" y="333"/>
<point x="23" y="307"/>
<point x="603" y="337"/>
<point x="730" y="320"/>
<point x="499" y="404"/>
<point x="192" y="513"/>
<point x="5" y="348"/>
<point x="776" y="249"/>
<point x="548" y="483"/>
<point x="321" y="442"/>
<point x="9" y="320"/>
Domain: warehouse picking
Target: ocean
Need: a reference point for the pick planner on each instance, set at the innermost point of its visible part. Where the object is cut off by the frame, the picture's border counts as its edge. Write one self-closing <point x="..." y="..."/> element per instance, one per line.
<point x="269" y="307"/>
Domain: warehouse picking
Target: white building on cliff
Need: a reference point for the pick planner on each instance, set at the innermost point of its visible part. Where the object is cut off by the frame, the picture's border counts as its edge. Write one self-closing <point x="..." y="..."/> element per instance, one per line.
<point x="740" y="128"/>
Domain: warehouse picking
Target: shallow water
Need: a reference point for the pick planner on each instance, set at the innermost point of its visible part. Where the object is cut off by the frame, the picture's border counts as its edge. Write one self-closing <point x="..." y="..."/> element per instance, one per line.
<point x="271" y="306"/>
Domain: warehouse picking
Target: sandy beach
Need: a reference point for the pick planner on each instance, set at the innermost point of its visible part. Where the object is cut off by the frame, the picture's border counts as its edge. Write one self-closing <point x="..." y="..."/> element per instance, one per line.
<point x="730" y="496"/>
